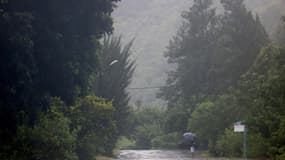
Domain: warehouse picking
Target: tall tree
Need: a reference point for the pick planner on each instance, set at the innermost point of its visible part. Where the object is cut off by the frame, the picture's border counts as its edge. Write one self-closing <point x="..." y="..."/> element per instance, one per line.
<point x="17" y="68"/>
<point x="263" y="88"/>
<point x="47" y="50"/>
<point x="65" y="46"/>
<point x="116" y="72"/>
<point x="52" y="47"/>
<point x="189" y="51"/>
<point x="242" y="36"/>
<point x="212" y="51"/>
<point x="280" y="32"/>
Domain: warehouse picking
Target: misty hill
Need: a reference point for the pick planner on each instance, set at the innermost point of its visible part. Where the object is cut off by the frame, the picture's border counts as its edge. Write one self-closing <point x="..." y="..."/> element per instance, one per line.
<point x="153" y="23"/>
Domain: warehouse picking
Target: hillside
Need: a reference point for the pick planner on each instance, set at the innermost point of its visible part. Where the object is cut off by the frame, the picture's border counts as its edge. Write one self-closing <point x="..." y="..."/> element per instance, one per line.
<point x="153" y="23"/>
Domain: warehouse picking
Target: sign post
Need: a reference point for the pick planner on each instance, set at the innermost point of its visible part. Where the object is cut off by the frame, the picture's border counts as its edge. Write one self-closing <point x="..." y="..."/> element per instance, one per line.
<point x="238" y="127"/>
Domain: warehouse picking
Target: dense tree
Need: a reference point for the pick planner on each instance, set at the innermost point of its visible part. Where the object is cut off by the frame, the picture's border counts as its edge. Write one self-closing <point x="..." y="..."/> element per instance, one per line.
<point x="80" y="132"/>
<point x="212" y="51"/>
<point x="230" y="145"/>
<point x="148" y="123"/>
<point x="176" y="119"/>
<point x="92" y="119"/>
<point x="242" y="37"/>
<point x="49" y="138"/>
<point x="280" y="32"/>
<point x="17" y="68"/>
<point x="47" y="50"/>
<point x="64" y="45"/>
<point x="263" y="87"/>
<point x="210" y="118"/>
<point x="210" y="54"/>
<point x="258" y="100"/>
<point x="116" y="70"/>
<point x="188" y="50"/>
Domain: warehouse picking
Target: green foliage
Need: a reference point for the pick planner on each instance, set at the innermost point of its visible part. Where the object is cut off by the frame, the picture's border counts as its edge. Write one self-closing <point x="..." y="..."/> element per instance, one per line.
<point x="210" y="118"/>
<point x="188" y="50"/>
<point x="176" y="119"/>
<point x="125" y="143"/>
<point x="113" y="79"/>
<point x="277" y="148"/>
<point x="47" y="50"/>
<point x="79" y="132"/>
<point x="230" y="144"/>
<point x="259" y="99"/>
<point x="151" y="127"/>
<point x="49" y="138"/>
<point x="93" y="120"/>
<point x="143" y="136"/>
<point x="260" y="93"/>
<point x="211" y="51"/>
<point x="279" y="34"/>
<point x="264" y="87"/>
<point x="257" y="146"/>
<point x="148" y="124"/>
<point x="166" y="141"/>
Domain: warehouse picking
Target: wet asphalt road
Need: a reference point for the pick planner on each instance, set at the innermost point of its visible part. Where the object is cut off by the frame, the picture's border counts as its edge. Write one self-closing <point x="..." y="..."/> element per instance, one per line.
<point x="156" y="155"/>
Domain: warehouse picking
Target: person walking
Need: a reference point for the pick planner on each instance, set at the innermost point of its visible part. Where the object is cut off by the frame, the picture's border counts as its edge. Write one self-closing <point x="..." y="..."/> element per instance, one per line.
<point x="192" y="150"/>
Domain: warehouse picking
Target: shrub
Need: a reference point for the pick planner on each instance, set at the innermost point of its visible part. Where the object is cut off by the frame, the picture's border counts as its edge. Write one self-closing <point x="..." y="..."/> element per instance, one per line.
<point x="231" y="145"/>
<point x="93" y="119"/>
<point x="168" y="141"/>
<point x="50" y="137"/>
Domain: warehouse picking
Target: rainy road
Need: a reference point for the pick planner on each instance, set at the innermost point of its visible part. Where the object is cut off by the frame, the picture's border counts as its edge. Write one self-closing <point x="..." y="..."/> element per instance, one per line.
<point x="156" y="155"/>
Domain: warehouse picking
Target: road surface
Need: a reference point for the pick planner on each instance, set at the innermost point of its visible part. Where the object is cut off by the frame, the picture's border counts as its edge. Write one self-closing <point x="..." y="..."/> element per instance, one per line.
<point x="156" y="155"/>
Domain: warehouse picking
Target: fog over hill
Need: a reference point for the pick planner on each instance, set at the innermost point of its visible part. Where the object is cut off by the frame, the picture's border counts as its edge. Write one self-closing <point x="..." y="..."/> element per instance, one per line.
<point x="153" y="23"/>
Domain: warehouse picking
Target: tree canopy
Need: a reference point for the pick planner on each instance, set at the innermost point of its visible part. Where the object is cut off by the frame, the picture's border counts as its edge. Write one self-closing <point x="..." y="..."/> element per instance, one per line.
<point x="212" y="51"/>
<point x="50" y="49"/>
<point x="115" y="75"/>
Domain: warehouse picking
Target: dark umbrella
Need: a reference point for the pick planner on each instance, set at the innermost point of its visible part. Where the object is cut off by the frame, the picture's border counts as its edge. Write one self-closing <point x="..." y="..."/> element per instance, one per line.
<point x="187" y="140"/>
<point x="189" y="136"/>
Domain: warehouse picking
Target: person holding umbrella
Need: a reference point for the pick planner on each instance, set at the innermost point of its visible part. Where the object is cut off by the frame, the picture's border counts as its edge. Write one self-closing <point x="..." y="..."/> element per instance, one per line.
<point x="189" y="138"/>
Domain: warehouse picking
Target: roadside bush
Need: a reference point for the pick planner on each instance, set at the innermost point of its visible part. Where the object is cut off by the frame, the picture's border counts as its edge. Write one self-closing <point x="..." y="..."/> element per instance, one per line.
<point x="176" y="119"/>
<point x="143" y="137"/>
<point x="148" y="124"/>
<point x="277" y="141"/>
<point x="125" y="143"/>
<point x="231" y="145"/>
<point x="168" y="141"/>
<point x="257" y="146"/>
<point x="96" y="130"/>
<point x="50" y="137"/>
<point x="211" y="117"/>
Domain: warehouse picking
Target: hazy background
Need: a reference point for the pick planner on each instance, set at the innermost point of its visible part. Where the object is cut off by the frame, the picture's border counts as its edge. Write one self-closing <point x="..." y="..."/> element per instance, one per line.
<point x="153" y="23"/>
